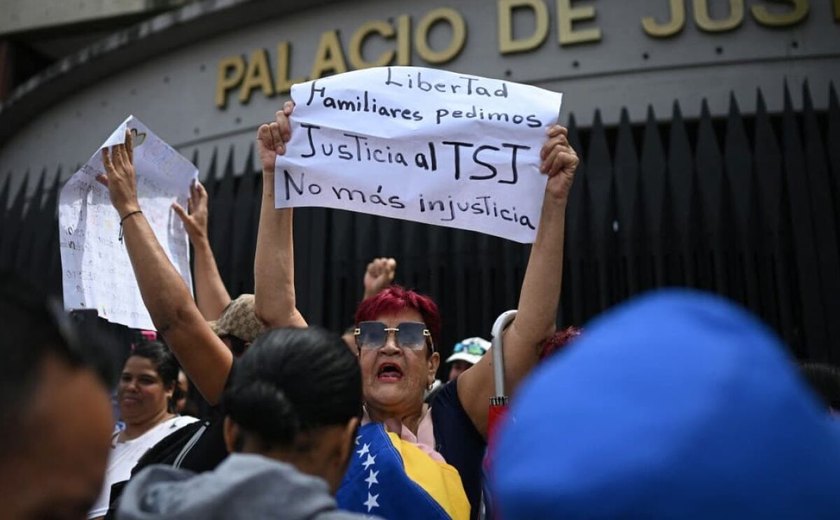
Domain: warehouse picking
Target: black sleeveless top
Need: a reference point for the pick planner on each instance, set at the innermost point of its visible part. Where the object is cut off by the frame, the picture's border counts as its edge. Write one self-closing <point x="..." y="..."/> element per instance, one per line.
<point x="457" y="440"/>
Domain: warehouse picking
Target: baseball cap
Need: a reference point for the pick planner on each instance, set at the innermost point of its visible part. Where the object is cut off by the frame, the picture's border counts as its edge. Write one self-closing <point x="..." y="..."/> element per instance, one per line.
<point x="676" y="405"/>
<point x="238" y="319"/>
<point x="469" y="350"/>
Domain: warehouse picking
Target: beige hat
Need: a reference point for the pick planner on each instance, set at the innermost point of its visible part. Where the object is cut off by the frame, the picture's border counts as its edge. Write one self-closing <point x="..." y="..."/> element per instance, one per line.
<point x="238" y="319"/>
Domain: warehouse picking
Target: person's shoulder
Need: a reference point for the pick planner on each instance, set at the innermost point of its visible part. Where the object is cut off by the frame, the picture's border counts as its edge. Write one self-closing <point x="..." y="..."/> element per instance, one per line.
<point x="444" y="395"/>
<point x="179" y="421"/>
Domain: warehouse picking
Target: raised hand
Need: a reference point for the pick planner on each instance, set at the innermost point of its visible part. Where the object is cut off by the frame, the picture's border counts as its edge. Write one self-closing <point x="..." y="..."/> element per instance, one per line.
<point x="379" y="275"/>
<point x="272" y="137"/>
<point x="195" y="222"/>
<point x="120" y="177"/>
<point x="559" y="162"/>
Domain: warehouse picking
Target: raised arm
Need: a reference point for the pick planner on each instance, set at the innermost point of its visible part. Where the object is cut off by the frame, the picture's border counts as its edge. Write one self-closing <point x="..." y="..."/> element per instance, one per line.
<point x="203" y="356"/>
<point x="274" y="264"/>
<point x="539" y="296"/>
<point x="379" y="274"/>
<point x="210" y="293"/>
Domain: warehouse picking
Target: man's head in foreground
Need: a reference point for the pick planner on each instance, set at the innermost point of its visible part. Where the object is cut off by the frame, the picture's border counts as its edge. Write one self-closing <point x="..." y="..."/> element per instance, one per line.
<point x="55" y="409"/>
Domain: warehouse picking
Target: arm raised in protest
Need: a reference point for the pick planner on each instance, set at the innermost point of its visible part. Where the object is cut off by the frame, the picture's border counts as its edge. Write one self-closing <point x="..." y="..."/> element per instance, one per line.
<point x="210" y="293"/>
<point x="274" y="264"/>
<point x="379" y="274"/>
<point x="539" y="296"/>
<point x="204" y="357"/>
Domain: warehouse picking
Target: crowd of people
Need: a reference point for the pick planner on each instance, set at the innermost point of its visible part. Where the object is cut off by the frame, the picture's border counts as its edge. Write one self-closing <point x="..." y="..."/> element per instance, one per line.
<point x="677" y="404"/>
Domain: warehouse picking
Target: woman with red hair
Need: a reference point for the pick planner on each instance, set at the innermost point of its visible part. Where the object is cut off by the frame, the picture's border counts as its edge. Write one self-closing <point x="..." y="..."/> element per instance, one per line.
<point x="397" y="330"/>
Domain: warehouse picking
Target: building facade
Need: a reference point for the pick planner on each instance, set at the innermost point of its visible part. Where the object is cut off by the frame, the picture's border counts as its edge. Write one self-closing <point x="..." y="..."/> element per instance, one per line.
<point x="709" y="132"/>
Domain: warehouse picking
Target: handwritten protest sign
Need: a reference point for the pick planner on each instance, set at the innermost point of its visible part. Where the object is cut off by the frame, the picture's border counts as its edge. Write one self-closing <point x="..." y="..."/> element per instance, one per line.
<point x="96" y="271"/>
<point x="420" y="144"/>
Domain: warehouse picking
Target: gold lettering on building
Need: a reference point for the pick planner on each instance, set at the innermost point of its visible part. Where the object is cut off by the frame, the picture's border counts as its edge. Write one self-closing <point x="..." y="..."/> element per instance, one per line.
<point x="672" y="26"/>
<point x="257" y="76"/>
<point x="397" y="39"/>
<point x="404" y="40"/>
<point x="508" y="44"/>
<point x="797" y="13"/>
<point x="329" y="57"/>
<point x="357" y="41"/>
<point x="705" y="22"/>
<point x="229" y="74"/>
<point x="282" y="82"/>
<point x="459" y="35"/>
<point x="567" y="16"/>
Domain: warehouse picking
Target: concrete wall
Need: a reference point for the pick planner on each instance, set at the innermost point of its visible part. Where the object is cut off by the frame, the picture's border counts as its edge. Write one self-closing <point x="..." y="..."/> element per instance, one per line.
<point x="27" y="15"/>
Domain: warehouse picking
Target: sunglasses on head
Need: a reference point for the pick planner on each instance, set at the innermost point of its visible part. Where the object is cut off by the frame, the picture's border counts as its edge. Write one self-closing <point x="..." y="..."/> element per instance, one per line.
<point x="470" y="348"/>
<point x="409" y="334"/>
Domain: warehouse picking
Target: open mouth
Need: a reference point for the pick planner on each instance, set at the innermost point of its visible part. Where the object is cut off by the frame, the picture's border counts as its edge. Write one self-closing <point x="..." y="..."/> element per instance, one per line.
<point x="389" y="372"/>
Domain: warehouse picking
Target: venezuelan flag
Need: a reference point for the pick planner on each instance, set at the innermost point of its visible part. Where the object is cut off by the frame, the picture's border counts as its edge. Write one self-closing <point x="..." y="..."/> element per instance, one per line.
<point x="392" y="478"/>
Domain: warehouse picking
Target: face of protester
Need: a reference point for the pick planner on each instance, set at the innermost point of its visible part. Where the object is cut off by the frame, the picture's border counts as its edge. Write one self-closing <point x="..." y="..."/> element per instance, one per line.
<point x="141" y="393"/>
<point x="58" y="469"/>
<point x="458" y="368"/>
<point x="394" y="379"/>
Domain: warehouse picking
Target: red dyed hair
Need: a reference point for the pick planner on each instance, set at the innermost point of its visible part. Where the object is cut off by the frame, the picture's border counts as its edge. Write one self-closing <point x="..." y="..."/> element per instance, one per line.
<point x="395" y="299"/>
<point x="559" y="341"/>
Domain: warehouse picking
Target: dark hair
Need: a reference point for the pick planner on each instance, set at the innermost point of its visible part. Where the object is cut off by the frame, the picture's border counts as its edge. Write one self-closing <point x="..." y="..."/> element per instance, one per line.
<point x="33" y="329"/>
<point x="165" y="365"/>
<point x="293" y="381"/>
<point x="395" y="299"/>
<point x="824" y="380"/>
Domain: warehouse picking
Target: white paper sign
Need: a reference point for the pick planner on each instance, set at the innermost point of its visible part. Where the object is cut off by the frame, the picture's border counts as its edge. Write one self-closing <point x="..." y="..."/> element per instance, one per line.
<point x="420" y="144"/>
<point x="96" y="270"/>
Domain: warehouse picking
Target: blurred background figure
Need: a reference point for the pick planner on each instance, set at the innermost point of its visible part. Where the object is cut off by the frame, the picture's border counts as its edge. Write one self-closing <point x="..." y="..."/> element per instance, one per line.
<point x="185" y="404"/>
<point x="675" y="405"/>
<point x="465" y="354"/>
<point x="55" y="412"/>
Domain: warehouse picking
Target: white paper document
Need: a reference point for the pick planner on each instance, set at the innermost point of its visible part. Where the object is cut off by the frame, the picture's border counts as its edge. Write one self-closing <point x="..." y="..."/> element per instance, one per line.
<point x="96" y="270"/>
<point x="420" y="144"/>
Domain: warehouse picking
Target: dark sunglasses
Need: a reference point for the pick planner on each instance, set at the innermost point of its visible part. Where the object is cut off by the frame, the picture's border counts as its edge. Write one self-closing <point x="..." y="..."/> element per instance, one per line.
<point x="470" y="348"/>
<point x="409" y="334"/>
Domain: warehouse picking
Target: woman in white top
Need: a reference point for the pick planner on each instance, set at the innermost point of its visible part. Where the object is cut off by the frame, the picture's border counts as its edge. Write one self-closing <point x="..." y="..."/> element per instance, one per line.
<point x="145" y="394"/>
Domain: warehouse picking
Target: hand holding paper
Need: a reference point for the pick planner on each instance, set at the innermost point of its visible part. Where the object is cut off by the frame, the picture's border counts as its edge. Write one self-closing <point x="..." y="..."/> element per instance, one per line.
<point x="140" y="171"/>
<point x="559" y="162"/>
<point x="120" y="177"/>
<point x="420" y="144"/>
<point x="272" y="138"/>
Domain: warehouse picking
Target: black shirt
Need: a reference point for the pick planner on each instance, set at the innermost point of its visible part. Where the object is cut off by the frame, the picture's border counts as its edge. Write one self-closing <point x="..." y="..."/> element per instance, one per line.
<point x="458" y="441"/>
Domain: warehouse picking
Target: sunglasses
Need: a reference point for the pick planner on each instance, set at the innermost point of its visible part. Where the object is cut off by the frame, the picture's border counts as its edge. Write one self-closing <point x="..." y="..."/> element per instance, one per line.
<point x="409" y="334"/>
<point x="470" y="348"/>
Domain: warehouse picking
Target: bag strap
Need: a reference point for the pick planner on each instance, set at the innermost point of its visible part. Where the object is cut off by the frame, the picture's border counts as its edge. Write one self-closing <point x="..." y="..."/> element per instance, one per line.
<point x="189" y="445"/>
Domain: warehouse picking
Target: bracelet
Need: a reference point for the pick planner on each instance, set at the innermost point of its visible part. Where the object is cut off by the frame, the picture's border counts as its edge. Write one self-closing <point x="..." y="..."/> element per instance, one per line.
<point x="123" y="220"/>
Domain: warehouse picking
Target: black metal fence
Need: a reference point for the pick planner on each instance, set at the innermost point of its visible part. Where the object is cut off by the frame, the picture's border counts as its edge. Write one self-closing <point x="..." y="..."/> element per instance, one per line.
<point x="747" y="206"/>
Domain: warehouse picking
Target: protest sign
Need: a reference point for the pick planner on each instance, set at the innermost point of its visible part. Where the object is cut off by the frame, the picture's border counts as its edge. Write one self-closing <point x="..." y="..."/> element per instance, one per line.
<point x="420" y="144"/>
<point x="96" y="270"/>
